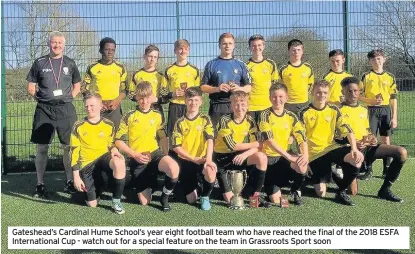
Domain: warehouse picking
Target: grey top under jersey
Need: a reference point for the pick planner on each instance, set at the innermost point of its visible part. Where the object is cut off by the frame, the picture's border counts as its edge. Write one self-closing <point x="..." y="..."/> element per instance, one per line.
<point x="42" y="74"/>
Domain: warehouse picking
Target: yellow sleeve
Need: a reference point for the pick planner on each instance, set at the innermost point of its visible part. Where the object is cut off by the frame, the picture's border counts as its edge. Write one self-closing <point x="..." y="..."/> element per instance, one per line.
<point x="177" y="136"/>
<point x="122" y="129"/>
<point x="131" y="89"/>
<point x="208" y="131"/>
<point x="226" y="135"/>
<point x="123" y="83"/>
<point x="343" y="129"/>
<point x="197" y="80"/>
<point x="75" y="148"/>
<point x="393" y="90"/>
<point x="362" y="84"/>
<point x="111" y="140"/>
<point x="86" y="83"/>
<point x="164" y="92"/>
<point x="299" y="132"/>
<point x="265" y="127"/>
<point x="275" y="75"/>
<point x="311" y="79"/>
<point x="161" y="131"/>
<point x="253" y="132"/>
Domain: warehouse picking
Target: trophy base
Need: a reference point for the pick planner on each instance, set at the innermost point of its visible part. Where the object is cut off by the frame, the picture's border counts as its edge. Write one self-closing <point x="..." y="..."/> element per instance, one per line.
<point x="237" y="203"/>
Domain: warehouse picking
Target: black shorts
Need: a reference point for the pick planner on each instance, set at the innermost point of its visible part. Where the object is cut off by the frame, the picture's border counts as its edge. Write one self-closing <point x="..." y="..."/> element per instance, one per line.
<point x="224" y="163"/>
<point x="188" y="177"/>
<point x="48" y="117"/>
<point x="114" y="116"/>
<point x="217" y="110"/>
<point x="255" y="115"/>
<point x="279" y="174"/>
<point x="321" y="167"/>
<point x="92" y="176"/>
<point x="175" y="112"/>
<point x="379" y="120"/>
<point x="144" y="176"/>
<point x="369" y="153"/>
<point x="295" y="107"/>
<point x="159" y="108"/>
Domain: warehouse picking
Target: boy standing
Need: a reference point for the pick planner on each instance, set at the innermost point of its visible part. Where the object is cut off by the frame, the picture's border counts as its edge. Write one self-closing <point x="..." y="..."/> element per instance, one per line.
<point x="379" y="93"/>
<point x="193" y="142"/>
<point x="93" y="152"/>
<point x="144" y="127"/>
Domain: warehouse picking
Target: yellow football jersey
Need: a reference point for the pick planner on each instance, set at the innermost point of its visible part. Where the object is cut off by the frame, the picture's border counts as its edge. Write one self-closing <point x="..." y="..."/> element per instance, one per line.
<point x="298" y="80"/>
<point x="143" y="129"/>
<point x="156" y="79"/>
<point x="176" y="75"/>
<point x="321" y="126"/>
<point x="384" y="83"/>
<point x="357" y="118"/>
<point x="280" y="128"/>
<point x="108" y="80"/>
<point x="231" y="133"/>
<point x="334" y="78"/>
<point x="89" y="141"/>
<point x="192" y="134"/>
<point x="263" y="74"/>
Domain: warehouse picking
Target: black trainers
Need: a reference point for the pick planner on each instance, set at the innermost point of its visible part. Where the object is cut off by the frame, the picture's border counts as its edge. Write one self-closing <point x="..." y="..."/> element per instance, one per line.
<point x="297" y="198"/>
<point x="69" y="187"/>
<point x="343" y="198"/>
<point x="366" y="176"/>
<point x="40" y="191"/>
<point x="387" y="194"/>
<point x="164" y="200"/>
<point x="263" y="203"/>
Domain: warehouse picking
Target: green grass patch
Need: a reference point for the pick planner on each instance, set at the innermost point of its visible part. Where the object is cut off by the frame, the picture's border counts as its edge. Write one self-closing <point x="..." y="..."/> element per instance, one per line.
<point x="20" y="209"/>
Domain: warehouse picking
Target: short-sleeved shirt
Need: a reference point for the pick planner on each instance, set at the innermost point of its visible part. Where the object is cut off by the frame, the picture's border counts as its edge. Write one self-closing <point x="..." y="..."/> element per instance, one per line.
<point x="280" y="128"/>
<point x="108" y="80"/>
<point x="156" y="79"/>
<point x="335" y="79"/>
<point x="357" y="118"/>
<point x="142" y="129"/>
<point x="192" y="134"/>
<point x="322" y="125"/>
<point x="231" y="133"/>
<point x="219" y="71"/>
<point x="176" y="75"/>
<point x="263" y="73"/>
<point x="89" y="141"/>
<point x="42" y="73"/>
<point x="298" y="80"/>
<point x="384" y="83"/>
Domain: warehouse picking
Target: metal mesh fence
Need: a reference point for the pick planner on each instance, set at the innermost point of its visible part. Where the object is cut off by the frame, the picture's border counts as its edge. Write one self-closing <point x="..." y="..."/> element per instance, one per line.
<point x="355" y="27"/>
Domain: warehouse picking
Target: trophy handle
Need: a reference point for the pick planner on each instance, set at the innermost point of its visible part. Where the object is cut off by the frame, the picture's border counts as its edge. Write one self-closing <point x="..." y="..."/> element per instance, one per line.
<point x="245" y="177"/>
<point x="228" y="172"/>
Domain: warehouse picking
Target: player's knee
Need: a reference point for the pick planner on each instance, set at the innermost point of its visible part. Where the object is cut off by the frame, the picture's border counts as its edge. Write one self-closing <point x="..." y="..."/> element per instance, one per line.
<point x="42" y="149"/>
<point x="403" y="153"/>
<point x="261" y="160"/>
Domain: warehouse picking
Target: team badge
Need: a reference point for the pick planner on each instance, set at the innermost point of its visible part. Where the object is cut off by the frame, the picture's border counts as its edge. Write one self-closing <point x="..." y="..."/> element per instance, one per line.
<point x="101" y="134"/>
<point x="65" y="70"/>
<point x="328" y="118"/>
<point x="362" y="116"/>
<point x="187" y="74"/>
<point x="347" y="116"/>
<point x="304" y="74"/>
<point x="265" y="71"/>
<point x="152" y="121"/>
<point x="155" y="81"/>
<point x="384" y="83"/>
<point x="235" y="71"/>
<point x="286" y="125"/>
<point x="199" y="128"/>
<point x="245" y="133"/>
<point x="114" y="73"/>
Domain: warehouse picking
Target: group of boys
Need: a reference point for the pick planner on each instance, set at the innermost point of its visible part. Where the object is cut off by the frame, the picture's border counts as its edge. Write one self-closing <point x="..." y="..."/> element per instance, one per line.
<point x="256" y="112"/>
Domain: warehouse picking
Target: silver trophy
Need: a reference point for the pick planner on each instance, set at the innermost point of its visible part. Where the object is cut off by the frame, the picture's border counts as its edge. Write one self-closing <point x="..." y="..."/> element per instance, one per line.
<point x="237" y="181"/>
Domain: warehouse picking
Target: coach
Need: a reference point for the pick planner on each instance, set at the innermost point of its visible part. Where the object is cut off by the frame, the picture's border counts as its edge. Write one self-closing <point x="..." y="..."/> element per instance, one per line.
<point x="54" y="81"/>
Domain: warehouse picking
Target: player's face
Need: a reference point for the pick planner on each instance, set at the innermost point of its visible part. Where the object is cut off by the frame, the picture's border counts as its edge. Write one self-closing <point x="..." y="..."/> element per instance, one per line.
<point x="296" y="52"/>
<point x="151" y="59"/>
<point x="336" y="63"/>
<point x="193" y="103"/>
<point x="227" y="45"/>
<point x="278" y="98"/>
<point x="93" y="107"/>
<point x="351" y="93"/>
<point x="182" y="52"/>
<point x="377" y="62"/>
<point x="108" y="52"/>
<point x="239" y="106"/>
<point x="257" y="47"/>
<point x="320" y="94"/>
<point x="144" y="102"/>
<point x="56" y="45"/>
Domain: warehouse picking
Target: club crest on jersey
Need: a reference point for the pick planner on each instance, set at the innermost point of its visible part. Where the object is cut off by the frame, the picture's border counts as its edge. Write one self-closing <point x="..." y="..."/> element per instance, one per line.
<point x="235" y="71"/>
<point x="304" y="74"/>
<point x="65" y="70"/>
<point x="384" y="83"/>
<point x="286" y="125"/>
<point x="328" y="118"/>
<point x="101" y="134"/>
<point x="85" y="133"/>
<point x="265" y="71"/>
<point x="362" y="116"/>
<point x="152" y="121"/>
<point x="245" y="133"/>
<point x="155" y="81"/>
<point x="199" y="128"/>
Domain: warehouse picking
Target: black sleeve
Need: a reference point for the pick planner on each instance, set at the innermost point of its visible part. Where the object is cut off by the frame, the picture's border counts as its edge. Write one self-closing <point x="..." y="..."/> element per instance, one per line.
<point x="33" y="73"/>
<point x="76" y="77"/>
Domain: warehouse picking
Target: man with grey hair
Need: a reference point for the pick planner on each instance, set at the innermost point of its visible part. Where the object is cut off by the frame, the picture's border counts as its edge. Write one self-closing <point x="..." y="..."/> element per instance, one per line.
<point x="53" y="81"/>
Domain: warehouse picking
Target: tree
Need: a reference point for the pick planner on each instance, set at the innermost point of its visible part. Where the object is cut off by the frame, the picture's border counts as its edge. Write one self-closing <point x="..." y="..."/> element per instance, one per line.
<point x="315" y="49"/>
<point x="391" y="26"/>
<point x="26" y="38"/>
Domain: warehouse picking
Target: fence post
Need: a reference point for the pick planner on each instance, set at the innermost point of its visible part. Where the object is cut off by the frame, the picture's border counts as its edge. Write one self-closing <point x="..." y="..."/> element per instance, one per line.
<point x="177" y="20"/>
<point x="346" y="34"/>
<point x="3" y="98"/>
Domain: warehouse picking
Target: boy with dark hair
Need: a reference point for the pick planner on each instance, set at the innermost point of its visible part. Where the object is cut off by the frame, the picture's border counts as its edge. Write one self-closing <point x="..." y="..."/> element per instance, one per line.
<point x="379" y="93"/>
<point x="356" y="116"/>
<point x="192" y="140"/>
<point x="276" y="126"/>
<point x="236" y="148"/>
<point x="144" y="127"/>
